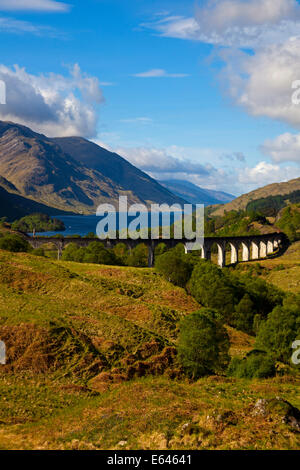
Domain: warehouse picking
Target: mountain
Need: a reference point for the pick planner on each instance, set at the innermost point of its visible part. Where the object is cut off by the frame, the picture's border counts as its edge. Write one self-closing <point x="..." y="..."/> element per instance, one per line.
<point x="117" y="169"/>
<point x="14" y="206"/>
<point x="71" y="174"/>
<point x="194" y="194"/>
<point x="275" y="189"/>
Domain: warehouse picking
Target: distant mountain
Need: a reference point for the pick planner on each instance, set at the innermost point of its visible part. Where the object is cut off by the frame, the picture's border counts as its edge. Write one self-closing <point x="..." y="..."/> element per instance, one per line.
<point x="71" y="174"/>
<point x="117" y="169"/>
<point x="196" y="195"/>
<point x="276" y="189"/>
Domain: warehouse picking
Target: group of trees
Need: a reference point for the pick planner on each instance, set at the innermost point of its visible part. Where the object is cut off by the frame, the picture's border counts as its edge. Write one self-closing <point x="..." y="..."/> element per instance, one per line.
<point x="236" y="223"/>
<point x="13" y="242"/>
<point x="39" y="223"/>
<point x="246" y="303"/>
<point x="96" y="253"/>
<point x="289" y="222"/>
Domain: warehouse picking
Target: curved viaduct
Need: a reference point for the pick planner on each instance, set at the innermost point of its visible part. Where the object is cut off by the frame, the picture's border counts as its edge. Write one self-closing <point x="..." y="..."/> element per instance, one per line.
<point x="253" y="247"/>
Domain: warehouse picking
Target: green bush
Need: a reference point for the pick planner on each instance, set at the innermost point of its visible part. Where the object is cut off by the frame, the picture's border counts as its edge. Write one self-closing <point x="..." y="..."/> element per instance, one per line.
<point x="138" y="256"/>
<point x="38" y="252"/>
<point x="213" y="288"/>
<point x="94" y="253"/>
<point x="121" y="253"/>
<point x="257" y="364"/>
<point x="203" y="344"/>
<point x="174" y="266"/>
<point x="14" y="243"/>
<point x="244" y="315"/>
<point x="264" y="295"/>
<point x="281" y="329"/>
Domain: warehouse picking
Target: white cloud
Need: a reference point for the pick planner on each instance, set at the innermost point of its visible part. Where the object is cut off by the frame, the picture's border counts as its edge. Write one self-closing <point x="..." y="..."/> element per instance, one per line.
<point x="11" y="25"/>
<point x="34" y="5"/>
<point x="262" y="83"/>
<point x="236" y="23"/>
<point x="266" y="173"/>
<point x="160" y="161"/>
<point x="53" y="104"/>
<point x="137" y="120"/>
<point x="172" y="163"/>
<point x="284" y="148"/>
<point x="159" y="73"/>
<point x="222" y="14"/>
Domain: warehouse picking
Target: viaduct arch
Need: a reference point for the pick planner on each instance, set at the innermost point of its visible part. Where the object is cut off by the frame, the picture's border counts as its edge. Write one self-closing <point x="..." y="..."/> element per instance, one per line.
<point x="253" y="247"/>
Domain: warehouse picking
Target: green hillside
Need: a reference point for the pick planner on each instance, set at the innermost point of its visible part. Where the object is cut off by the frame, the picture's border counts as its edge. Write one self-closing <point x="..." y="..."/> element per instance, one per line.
<point x="92" y="365"/>
<point x="279" y="191"/>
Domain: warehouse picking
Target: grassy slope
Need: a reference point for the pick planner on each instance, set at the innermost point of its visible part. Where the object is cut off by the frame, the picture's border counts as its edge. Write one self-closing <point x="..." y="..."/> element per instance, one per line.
<point x="274" y="189"/>
<point x="284" y="271"/>
<point x="104" y="307"/>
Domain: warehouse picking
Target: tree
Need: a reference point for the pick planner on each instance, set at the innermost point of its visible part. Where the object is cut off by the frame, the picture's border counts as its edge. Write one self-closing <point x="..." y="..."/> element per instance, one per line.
<point x="174" y="267"/>
<point x="14" y="243"/>
<point x="96" y="253"/>
<point x="203" y="344"/>
<point x="138" y="256"/>
<point x="39" y="223"/>
<point x="213" y="288"/>
<point x="244" y="315"/>
<point x="257" y="364"/>
<point x="70" y="253"/>
<point x="280" y="330"/>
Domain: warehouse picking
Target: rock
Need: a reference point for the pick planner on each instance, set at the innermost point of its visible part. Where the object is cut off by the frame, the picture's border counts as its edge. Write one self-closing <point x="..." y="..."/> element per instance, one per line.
<point x="185" y="426"/>
<point x="260" y="408"/>
<point x="122" y="443"/>
<point x="280" y="409"/>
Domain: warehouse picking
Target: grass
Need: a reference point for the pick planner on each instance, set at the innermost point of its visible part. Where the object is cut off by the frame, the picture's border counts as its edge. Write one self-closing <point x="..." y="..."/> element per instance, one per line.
<point x="283" y="272"/>
<point x="66" y="323"/>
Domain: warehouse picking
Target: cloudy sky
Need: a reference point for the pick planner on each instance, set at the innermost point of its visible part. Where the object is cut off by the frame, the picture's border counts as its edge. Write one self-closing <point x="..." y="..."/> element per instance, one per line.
<point x="190" y="90"/>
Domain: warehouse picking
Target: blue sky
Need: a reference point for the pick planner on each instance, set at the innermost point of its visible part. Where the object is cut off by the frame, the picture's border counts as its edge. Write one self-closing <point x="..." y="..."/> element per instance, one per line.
<point x="200" y="92"/>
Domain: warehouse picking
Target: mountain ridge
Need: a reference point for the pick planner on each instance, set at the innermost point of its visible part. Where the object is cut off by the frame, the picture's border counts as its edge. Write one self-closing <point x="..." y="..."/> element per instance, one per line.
<point x="274" y="189"/>
<point x="37" y="168"/>
<point x="195" y="194"/>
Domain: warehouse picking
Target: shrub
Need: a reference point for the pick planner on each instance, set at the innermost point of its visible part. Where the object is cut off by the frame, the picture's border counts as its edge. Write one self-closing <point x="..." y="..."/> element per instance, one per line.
<point x="213" y="288"/>
<point x="121" y="253"/>
<point x="174" y="267"/>
<point x="244" y="315"/>
<point x="38" y="252"/>
<point x="94" y="253"/>
<point x="280" y="330"/>
<point x="257" y="364"/>
<point x="14" y="243"/>
<point x="203" y="344"/>
<point x="264" y="295"/>
<point x="138" y="256"/>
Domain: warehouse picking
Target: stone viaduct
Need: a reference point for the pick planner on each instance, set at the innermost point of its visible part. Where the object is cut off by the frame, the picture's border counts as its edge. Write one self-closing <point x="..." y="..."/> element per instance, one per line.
<point x="253" y="247"/>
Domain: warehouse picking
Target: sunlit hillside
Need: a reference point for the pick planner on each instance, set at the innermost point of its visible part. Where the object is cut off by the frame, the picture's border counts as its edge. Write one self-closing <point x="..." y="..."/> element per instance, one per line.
<point x="92" y="365"/>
